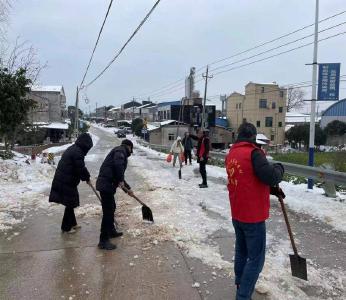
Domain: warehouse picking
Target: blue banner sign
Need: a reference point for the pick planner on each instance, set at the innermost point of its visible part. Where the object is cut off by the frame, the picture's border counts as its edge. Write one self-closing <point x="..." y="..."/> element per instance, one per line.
<point x="328" y="82"/>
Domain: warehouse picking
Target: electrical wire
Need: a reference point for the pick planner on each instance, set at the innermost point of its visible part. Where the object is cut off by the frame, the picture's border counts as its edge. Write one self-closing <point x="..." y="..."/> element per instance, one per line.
<point x="97" y="41"/>
<point x="245" y="51"/>
<point x="124" y="46"/>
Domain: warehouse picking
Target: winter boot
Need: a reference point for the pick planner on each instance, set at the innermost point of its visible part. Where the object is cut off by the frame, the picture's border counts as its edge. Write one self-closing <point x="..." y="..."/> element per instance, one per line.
<point x="203" y="186"/>
<point x="115" y="234"/>
<point x="106" y="245"/>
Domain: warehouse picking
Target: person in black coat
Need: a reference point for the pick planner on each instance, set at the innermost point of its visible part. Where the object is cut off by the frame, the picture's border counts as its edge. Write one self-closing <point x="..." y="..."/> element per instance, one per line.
<point x="188" y="146"/>
<point x="70" y="171"/>
<point x="112" y="175"/>
<point x="203" y="148"/>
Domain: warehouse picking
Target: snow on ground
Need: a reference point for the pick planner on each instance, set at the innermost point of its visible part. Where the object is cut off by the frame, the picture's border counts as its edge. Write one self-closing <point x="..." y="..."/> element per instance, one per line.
<point x="22" y="183"/>
<point x="57" y="149"/>
<point x="176" y="206"/>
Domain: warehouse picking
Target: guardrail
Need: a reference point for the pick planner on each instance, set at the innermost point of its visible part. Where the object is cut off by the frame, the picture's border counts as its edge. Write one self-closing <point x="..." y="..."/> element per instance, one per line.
<point x="316" y="173"/>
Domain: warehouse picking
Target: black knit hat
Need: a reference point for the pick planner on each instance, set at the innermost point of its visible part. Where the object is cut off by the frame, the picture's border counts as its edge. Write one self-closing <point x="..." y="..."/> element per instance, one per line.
<point x="247" y="131"/>
<point x="128" y="143"/>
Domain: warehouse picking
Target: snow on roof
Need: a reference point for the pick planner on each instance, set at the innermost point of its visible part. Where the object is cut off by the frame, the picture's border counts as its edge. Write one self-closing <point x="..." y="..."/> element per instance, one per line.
<point x="56" y="125"/>
<point x="294" y="117"/>
<point x="151" y="127"/>
<point x="47" y="88"/>
<point x="261" y="136"/>
<point x="115" y="108"/>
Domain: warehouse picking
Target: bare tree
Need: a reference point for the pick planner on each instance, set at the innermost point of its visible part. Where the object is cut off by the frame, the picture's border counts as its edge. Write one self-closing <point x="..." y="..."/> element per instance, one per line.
<point x="23" y="56"/>
<point x="295" y="98"/>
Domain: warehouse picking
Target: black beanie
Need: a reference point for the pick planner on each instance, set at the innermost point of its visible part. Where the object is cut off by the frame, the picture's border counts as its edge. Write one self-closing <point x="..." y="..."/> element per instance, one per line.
<point x="246" y="131"/>
<point x="128" y="143"/>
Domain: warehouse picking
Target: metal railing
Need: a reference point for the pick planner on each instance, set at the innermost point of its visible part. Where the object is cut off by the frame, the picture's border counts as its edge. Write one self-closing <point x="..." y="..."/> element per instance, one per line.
<point x="316" y="173"/>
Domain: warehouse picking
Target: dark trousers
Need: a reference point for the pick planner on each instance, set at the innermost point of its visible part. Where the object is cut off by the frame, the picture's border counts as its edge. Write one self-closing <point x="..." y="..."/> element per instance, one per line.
<point x="108" y="210"/>
<point x="69" y="219"/>
<point x="203" y="171"/>
<point x="249" y="256"/>
<point x="187" y="154"/>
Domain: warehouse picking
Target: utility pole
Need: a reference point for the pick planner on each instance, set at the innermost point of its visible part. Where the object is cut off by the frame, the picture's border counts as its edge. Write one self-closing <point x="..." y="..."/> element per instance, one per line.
<point x="313" y="98"/>
<point x="76" y="114"/>
<point x="206" y="77"/>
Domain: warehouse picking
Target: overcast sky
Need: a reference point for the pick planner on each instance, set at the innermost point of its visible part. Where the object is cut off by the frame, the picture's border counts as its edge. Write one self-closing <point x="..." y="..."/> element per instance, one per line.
<point x="178" y="35"/>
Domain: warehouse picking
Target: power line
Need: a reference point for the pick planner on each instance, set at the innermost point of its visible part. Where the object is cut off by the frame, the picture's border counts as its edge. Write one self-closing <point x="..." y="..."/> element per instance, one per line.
<point x="278" y="54"/>
<point x="245" y="51"/>
<point x="278" y="38"/>
<point x="278" y="47"/>
<point x="124" y="46"/>
<point x="97" y="41"/>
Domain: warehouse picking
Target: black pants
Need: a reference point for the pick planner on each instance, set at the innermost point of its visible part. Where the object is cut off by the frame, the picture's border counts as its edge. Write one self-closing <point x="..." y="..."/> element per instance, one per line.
<point x="187" y="154"/>
<point x="69" y="219"/>
<point x="203" y="171"/>
<point x="108" y="210"/>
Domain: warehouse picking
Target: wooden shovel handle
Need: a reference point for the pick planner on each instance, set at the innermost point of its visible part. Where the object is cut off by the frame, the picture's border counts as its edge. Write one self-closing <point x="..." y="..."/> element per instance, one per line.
<point x="288" y="226"/>
<point x="93" y="188"/>
<point x="134" y="196"/>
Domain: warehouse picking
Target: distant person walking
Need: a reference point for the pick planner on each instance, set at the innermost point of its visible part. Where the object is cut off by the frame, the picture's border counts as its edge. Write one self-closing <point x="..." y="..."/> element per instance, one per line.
<point x="70" y="171"/>
<point x="203" y="148"/>
<point x="250" y="181"/>
<point x="188" y="146"/>
<point x="112" y="176"/>
<point x="177" y="151"/>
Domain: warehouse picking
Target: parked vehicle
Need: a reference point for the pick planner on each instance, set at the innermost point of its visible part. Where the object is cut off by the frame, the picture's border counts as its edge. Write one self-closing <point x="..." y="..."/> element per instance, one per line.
<point x="121" y="134"/>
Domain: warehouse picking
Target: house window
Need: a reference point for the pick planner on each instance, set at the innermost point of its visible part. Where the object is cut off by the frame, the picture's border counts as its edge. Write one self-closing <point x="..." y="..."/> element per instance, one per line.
<point x="263" y="103"/>
<point x="272" y="137"/>
<point x="280" y="124"/>
<point x="236" y="106"/>
<point x="269" y="121"/>
<point x="281" y="94"/>
<point x="171" y="137"/>
<point x="258" y="123"/>
<point x="239" y="105"/>
<point x="262" y="89"/>
<point x="273" y="105"/>
<point x="164" y="115"/>
<point x="280" y="109"/>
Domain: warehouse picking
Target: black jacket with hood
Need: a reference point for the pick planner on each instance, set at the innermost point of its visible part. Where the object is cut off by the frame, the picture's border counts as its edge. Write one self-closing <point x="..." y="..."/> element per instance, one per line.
<point x="112" y="171"/>
<point x="70" y="171"/>
<point x="270" y="174"/>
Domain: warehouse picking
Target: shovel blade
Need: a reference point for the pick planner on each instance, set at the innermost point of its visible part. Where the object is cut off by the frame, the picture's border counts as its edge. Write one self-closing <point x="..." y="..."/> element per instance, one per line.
<point x="147" y="214"/>
<point x="298" y="267"/>
<point x="179" y="174"/>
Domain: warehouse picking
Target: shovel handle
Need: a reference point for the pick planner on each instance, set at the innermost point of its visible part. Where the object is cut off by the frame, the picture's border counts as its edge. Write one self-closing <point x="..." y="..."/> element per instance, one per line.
<point x="288" y="226"/>
<point x="134" y="196"/>
<point x="93" y="188"/>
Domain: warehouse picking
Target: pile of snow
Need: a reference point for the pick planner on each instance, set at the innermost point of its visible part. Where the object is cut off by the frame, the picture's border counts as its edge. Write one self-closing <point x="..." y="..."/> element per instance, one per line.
<point x="57" y="149"/>
<point x="22" y="183"/>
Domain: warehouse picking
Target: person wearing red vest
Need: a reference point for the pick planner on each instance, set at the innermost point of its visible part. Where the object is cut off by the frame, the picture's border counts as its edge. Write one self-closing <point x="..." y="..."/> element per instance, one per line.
<point x="203" y="147"/>
<point x="251" y="179"/>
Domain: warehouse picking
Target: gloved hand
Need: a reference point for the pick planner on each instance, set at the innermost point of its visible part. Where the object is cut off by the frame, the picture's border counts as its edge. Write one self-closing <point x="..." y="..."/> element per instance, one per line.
<point x="277" y="191"/>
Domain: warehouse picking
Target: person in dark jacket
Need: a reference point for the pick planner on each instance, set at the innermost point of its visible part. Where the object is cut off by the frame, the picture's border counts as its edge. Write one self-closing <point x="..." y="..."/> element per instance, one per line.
<point x="70" y="171"/>
<point x="188" y="146"/>
<point x="112" y="175"/>
<point x="251" y="179"/>
<point x="203" y="147"/>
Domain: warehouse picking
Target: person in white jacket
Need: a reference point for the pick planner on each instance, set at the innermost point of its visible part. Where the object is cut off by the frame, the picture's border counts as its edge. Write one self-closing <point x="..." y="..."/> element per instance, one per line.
<point x="177" y="150"/>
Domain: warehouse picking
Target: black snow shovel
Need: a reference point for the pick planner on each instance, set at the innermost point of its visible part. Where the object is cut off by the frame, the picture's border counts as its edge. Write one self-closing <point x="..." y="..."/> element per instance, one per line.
<point x="146" y="211"/>
<point x="298" y="264"/>
<point x="179" y="173"/>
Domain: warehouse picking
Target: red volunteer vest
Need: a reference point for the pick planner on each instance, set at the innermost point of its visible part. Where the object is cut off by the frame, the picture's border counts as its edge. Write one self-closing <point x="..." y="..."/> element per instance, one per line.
<point x="249" y="197"/>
